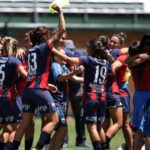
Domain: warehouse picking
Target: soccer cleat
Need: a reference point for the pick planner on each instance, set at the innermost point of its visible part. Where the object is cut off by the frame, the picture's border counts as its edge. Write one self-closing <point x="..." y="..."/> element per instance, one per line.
<point x="83" y="144"/>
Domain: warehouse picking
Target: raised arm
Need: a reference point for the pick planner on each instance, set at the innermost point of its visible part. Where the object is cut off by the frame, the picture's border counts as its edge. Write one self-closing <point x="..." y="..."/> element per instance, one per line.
<point x="137" y="59"/>
<point x="62" y="27"/>
<point x="70" y="60"/>
<point x="116" y="65"/>
<point x="141" y="59"/>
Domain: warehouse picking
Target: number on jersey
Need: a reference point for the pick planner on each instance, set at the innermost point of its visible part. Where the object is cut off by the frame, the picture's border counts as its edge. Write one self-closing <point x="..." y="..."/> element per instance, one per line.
<point x="2" y="73"/>
<point x="100" y="74"/>
<point x="32" y="63"/>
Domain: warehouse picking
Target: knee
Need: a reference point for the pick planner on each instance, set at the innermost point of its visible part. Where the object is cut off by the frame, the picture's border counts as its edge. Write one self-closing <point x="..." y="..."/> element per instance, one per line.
<point x="120" y="124"/>
<point x="126" y="126"/>
<point x="147" y="140"/>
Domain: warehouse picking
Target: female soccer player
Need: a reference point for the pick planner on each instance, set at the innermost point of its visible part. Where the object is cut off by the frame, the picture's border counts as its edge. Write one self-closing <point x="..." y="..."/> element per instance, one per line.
<point x="95" y="72"/>
<point x="59" y="77"/>
<point x="120" y="67"/>
<point x="139" y="64"/>
<point x="9" y="110"/>
<point x="36" y="94"/>
<point x="120" y="96"/>
<point x="29" y="133"/>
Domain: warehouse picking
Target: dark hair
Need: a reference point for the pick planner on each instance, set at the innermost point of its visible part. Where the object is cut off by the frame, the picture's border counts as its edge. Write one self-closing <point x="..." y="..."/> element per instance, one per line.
<point x="105" y="40"/>
<point x="28" y="35"/>
<point x="145" y="41"/>
<point x="134" y="48"/>
<point x="97" y="48"/>
<point x="121" y="36"/>
<point x="40" y="34"/>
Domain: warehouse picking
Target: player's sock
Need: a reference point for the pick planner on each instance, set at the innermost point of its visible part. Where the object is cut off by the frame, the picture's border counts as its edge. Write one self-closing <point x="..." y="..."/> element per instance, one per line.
<point x="44" y="139"/>
<point x="107" y="142"/>
<point x="1" y="144"/>
<point x="28" y="143"/>
<point x="8" y="146"/>
<point x="15" y="145"/>
<point x="97" y="145"/>
<point x="104" y="146"/>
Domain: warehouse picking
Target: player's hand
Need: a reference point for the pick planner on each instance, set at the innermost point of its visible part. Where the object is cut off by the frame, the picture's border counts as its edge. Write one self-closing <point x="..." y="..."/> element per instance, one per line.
<point x="20" y="53"/>
<point x="78" y="70"/>
<point x="144" y="56"/>
<point x="56" y="7"/>
<point x="52" y="88"/>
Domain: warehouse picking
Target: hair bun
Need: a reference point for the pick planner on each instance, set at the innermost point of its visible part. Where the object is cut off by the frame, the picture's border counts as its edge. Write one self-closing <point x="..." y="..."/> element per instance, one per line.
<point x="122" y="35"/>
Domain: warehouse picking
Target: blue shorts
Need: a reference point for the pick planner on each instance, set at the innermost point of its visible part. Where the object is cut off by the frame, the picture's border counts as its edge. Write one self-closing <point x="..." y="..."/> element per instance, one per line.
<point x="113" y="100"/>
<point x="61" y="115"/>
<point x="126" y="104"/>
<point x="64" y="107"/>
<point x="93" y="112"/>
<point x="125" y="99"/>
<point x="19" y="102"/>
<point x="145" y="119"/>
<point x="37" y="98"/>
<point x="139" y="100"/>
<point x="9" y="111"/>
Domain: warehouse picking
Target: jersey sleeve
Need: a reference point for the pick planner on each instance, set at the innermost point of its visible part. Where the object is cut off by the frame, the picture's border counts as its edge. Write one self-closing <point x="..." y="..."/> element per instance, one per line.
<point x="56" y="70"/>
<point x="15" y="61"/>
<point x="69" y="52"/>
<point x="83" y="60"/>
<point x="115" y="52"/>
<point x="65" y="69"/>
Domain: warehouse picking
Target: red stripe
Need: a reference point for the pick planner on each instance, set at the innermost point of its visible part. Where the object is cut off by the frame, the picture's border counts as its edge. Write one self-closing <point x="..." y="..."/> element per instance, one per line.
<point x="44" y="80"/>
<point x="115" y="88"/>
<point x="93" y="95"/>
<point x="11" y="94"/>
<point x="84" y="95"/>
<point x="1" y="91"/>
<point x="44" y="77"/>
<point x="32" y="83"/>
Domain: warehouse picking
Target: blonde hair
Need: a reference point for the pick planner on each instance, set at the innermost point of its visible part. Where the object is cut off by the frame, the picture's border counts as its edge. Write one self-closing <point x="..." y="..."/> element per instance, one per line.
<point x="9" y="46"/>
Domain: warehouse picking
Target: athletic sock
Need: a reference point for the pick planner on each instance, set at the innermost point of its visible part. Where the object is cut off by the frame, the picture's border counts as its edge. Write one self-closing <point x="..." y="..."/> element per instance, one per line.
<point x="8" y="146"/>
<point x="1" y="144"/>
<point x="97" y="145"/>
<point x="48" y="140"/>
<point x="108" y="139"/>
<point x="28" y="143"/>
<point x="44" y="139"/>
<point x="16" y="145"/>
<point x="104" y="146"/>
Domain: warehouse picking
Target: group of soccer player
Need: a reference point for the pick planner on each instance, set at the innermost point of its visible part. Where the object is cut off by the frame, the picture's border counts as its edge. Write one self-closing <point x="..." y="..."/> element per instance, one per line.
<point x="37" y="80"/>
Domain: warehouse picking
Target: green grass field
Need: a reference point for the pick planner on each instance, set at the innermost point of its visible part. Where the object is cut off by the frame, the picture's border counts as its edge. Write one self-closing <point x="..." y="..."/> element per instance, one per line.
<point x="115" y="143"/>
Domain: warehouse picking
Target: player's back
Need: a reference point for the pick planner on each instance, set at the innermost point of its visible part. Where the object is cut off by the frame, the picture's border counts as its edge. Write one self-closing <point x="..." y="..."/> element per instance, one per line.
<point x="39" y="60"/>
<point x="8" y="75"/>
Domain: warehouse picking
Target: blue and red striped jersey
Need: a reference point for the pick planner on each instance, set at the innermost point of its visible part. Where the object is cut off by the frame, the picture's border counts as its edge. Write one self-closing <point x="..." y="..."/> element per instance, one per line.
<point x="21" y="82"/>
<point x="95" y="73"/>
<point x="39" y="62"/>
<point x="8" y="75"/>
